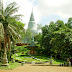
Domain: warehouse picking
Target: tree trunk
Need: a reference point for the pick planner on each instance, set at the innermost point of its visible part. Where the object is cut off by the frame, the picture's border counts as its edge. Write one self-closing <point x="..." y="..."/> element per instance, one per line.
<point x="8" y="40"/>
<point x="0" y="49"/>
<point x="5" y="60"/>
<point x="0" y="44"/>
<point x="9" y="48"/>
<point x="5" y="38"/>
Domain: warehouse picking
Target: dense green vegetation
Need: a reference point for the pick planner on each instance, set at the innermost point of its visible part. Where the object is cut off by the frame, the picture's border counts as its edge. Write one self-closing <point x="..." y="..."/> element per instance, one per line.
<point x="56" y="39"/>
<point x="11" y="28"/>
<point x="19" y="56"/>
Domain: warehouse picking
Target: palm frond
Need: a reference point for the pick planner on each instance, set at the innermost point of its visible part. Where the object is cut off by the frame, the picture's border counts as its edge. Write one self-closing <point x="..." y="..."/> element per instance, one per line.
<point x="13" y="27"/>
<point x="14" y="24"/>
<point x="17" y="17"/>
<point x="9" y="22"/>
<point x="11" y="8"/>
<point x="11" y="12"/>
<point x="12" y="31"/>
<point x="11" y="36"/>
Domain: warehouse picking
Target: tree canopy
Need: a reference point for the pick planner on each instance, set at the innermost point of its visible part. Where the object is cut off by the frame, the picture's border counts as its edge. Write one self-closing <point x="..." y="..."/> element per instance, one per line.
<point x="56" y="39"/>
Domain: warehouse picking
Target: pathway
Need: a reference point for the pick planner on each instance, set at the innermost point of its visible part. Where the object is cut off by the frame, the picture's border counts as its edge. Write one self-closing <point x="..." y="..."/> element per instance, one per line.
<point x="39" y="68"/>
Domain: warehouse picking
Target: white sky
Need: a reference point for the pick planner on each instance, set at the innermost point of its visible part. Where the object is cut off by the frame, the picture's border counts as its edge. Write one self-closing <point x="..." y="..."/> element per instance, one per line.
<point x="43" y="9"/>
<point x="58" y="7"/>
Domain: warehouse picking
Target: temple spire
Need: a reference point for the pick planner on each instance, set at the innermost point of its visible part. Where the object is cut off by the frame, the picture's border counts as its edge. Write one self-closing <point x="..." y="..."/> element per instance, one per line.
<point x="32" y="25"/>
<point x="32" y="16"/>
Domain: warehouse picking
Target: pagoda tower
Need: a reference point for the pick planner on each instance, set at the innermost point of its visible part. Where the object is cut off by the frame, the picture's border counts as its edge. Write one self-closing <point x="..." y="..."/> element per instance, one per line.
<point x="32" y="25"/>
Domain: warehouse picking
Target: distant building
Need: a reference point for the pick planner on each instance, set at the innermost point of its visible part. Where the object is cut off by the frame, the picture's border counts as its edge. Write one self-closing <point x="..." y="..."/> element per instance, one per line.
<point x="32" y="25"/>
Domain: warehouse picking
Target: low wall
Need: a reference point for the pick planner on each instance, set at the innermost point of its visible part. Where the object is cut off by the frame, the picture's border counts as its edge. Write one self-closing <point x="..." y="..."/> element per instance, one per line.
<point x="21" y="44"/>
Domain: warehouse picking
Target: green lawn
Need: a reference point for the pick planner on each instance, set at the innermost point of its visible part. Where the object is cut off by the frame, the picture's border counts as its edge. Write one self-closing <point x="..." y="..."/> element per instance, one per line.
<point x="11" y="66"/>
<point x="21" y="57"/>
<point x="24" y="57"/>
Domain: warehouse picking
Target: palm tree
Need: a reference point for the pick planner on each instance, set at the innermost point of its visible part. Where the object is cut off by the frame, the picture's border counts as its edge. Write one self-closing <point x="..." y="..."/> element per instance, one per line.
<point x="10" y="28"/>
<point x="1" y="38"/>
<point x="1" y="34"/>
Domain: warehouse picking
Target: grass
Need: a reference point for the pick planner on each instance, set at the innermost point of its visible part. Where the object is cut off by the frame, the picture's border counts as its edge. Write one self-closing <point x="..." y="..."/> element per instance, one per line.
<point x="21" y="56"/>
<point x="59" y="62"/>
<point x="38" y="45"/>
<point x="26" y="59"/>
<point x="30" y="60"/>
<point x="20" y="49"/>
<point x="56" y="62"/>
<point x="42" y="58"/>
<point x="11" y="66"/>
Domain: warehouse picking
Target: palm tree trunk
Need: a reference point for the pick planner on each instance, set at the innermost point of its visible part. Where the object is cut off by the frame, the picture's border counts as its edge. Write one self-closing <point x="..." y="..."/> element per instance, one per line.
<point x="8" y="40"/>
<point x="0" y="44"/>
<point x="5" y="38"/>
<point x="5" y="60"/>
<point x="0" y="49"/>
<point x="9" y="48"/>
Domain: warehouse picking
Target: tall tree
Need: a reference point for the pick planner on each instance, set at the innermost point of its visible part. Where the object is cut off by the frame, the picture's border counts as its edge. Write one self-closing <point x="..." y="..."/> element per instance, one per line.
<point x="39" y="26"/>
<point x="6" y="17"/>
<point x="69" y="23"/>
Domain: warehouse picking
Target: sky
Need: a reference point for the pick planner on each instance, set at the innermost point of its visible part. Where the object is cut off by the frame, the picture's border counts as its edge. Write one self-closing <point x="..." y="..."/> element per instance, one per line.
<point x="44" y="10"/>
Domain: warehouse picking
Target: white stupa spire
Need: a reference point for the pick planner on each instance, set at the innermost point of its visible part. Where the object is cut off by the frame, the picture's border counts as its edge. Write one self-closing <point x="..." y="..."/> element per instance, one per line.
<point x="32" y="16"/>
<point x="32" y="24"/>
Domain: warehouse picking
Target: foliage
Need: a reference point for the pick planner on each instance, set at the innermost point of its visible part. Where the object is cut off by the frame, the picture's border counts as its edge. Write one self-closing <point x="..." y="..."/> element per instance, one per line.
<point x="37" y="37"/>
<point x="21" y="49"/>
<point x="39" y="26"/>
<point x="69" y="23"/>
<point x="11" y="26"/>
<point x="28" y="35"/>
<point x="56" y="39"/>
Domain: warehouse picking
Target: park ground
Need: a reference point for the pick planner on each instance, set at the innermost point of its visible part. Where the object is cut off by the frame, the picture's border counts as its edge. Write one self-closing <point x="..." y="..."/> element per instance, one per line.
<point x="39" y="68"/>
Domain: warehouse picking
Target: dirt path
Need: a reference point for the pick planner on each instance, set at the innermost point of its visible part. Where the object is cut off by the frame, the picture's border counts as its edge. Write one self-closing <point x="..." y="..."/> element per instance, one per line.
<point x="39" y="68"/>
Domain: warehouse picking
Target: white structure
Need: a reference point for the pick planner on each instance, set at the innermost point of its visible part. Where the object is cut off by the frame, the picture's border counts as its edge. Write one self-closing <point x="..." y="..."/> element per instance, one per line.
<point x="32" y="25"/>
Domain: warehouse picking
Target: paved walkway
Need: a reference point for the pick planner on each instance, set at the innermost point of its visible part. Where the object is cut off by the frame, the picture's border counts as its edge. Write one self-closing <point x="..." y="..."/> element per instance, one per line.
<point x="39" y="68"/>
